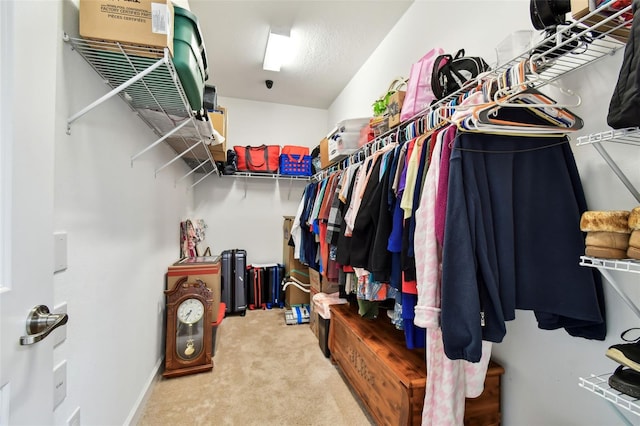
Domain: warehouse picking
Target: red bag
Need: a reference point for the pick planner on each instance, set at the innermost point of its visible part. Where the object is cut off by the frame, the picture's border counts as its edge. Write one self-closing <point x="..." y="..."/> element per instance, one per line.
<point x="263" y="158"/>
<point x="298" y="151"/>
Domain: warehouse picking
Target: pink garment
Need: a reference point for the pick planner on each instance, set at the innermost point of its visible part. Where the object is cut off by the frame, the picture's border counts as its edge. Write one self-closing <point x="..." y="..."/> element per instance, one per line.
<point x="449" y="381"/>
<point x="427" y="309"/>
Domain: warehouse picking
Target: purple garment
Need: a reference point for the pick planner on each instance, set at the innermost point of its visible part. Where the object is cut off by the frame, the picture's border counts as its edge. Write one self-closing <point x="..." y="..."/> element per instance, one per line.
<point x="403" y="176"/>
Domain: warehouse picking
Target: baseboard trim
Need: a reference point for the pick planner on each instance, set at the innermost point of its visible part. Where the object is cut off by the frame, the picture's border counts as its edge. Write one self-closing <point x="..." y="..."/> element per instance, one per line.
<point x="136" y="412"/>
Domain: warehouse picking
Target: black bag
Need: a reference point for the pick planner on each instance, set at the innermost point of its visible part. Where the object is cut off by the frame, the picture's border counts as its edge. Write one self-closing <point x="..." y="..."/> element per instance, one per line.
<point x="548" y="13"/>
<point x="232" y="163"/>
<point x="625" y="102"/>
<point x="451" y="73"/>
<point x="315" y="160"/>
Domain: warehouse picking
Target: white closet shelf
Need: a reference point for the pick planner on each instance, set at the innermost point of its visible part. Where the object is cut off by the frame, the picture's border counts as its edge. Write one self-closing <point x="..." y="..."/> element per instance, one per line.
<point x="271" y="176"/>
<point x="600" y="386"/>
<point x="554" y="57"/>
<point x="629" y="136"/>
<point x="626" y="265"/>
<point x="147" y="81"/>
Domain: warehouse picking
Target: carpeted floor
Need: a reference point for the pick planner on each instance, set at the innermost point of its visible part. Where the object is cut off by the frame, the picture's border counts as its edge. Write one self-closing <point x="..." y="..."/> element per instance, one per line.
<point x="265" y="373"/>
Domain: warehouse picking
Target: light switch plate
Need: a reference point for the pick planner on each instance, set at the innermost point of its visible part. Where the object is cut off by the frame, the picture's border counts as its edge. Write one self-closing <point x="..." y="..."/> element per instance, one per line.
<point x="60" y="251"/>
<point x="59" y="383"/>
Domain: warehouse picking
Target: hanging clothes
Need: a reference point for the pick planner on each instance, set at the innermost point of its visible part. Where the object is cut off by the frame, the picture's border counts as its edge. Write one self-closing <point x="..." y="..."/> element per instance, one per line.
<point x="513" y="211"/>
<point x="307" y="239"/>
<point x="450" y="381"/>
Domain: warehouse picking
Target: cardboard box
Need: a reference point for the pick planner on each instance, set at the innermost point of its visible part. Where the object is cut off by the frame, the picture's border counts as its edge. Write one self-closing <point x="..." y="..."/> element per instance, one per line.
<point x="292" y="266"/>
<point x="324" y="153"/>
<point x="315" y="279"/>
<point x="294" y="295"/>
<point x="329" y="286"/>
<point x="147" y="23"/>
<point x="394" y="107"/>
<point x="580" y="9"/>
<point x="218" y="119"/>
<point x="206" y="268"/>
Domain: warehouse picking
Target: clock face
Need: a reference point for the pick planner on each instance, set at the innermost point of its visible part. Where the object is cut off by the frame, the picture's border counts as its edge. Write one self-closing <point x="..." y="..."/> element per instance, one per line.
<point x="190" y="311"/>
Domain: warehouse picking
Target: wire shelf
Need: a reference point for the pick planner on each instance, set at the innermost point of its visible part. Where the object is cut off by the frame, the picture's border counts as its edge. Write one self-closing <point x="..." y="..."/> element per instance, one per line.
<point x="629" y="136"/>
<point x="146" y="80"/>
<point x="581" y="43"/>
<point x="625" y="265"/>
<point x="600" y="386"/>
<point x="267" y="176"/>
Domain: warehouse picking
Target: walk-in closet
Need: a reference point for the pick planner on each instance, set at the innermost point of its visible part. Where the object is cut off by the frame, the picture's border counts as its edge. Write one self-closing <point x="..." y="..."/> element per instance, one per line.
<point x="469" y="260"/>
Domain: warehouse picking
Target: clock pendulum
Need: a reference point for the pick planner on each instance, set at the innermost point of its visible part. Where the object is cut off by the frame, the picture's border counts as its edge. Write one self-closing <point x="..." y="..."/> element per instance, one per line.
<point x="189" y="349"/>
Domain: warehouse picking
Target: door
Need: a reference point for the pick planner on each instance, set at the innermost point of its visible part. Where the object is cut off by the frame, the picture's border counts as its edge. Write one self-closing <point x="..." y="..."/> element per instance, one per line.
<point x="28" y="51"/>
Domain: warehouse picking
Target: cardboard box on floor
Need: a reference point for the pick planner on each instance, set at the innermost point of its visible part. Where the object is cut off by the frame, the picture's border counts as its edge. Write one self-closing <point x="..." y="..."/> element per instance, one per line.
<point x="206" y="269"/>
<point x="147" y="23"/>
<point x="315" y="279"/>
<point x="295" y="296"/>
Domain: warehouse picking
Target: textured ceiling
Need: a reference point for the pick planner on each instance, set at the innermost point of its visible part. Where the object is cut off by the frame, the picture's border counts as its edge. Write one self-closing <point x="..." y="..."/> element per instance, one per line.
<point x="331" y="40"/>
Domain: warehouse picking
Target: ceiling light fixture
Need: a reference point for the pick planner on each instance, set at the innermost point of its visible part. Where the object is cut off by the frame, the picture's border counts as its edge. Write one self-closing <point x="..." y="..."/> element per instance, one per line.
<point x="277" y="51"/>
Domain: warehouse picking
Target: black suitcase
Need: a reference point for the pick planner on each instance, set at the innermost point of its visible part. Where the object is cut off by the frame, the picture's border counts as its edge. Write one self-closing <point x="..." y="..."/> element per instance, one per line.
<point x="232" y="279"/>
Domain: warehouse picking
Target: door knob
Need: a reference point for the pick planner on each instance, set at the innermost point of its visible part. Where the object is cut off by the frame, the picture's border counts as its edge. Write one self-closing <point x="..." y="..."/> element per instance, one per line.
<point x="40" y="323"/>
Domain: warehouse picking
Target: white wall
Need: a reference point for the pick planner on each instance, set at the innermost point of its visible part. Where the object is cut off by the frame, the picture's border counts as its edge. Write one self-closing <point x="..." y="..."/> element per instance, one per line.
<point x="247" y="213"/>
<point x="540" y="386"/>
<point x="123" y="232"/>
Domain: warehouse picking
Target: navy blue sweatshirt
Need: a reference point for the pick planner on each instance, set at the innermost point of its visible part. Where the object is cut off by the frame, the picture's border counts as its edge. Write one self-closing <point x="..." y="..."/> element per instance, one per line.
<point x="513" y="241"/>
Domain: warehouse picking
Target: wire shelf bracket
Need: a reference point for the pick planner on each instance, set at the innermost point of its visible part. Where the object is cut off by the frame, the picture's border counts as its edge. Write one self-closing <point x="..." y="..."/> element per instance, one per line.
<point x="630" y="136"/>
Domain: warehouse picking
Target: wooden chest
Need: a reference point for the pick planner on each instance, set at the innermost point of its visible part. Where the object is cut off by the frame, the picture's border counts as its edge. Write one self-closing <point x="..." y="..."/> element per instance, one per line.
<point x="389" y="378"/>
